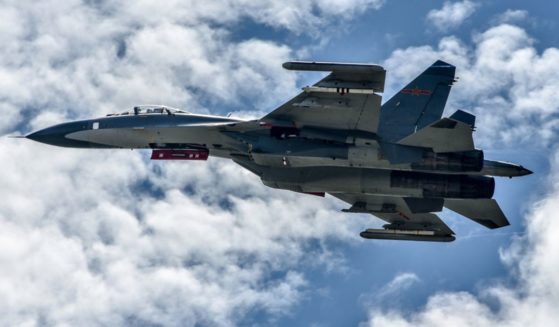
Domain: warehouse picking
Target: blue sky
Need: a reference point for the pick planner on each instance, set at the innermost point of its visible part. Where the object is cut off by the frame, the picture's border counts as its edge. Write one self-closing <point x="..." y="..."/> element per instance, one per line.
<point x="96" y="237"/>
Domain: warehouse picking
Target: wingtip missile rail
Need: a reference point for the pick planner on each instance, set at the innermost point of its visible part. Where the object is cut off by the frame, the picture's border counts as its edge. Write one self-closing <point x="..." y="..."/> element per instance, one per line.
<point x="332" y="67"/>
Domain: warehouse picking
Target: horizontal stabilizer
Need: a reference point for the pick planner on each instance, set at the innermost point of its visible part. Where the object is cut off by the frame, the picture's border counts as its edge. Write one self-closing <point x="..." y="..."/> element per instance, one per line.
<point x="444" y="135"/>
<point x="464" y="117"/>
<point x="483" y="211"/>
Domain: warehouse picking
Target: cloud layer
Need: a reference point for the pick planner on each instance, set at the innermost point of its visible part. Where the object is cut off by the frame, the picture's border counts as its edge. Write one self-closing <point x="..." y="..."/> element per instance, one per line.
<point x="93" y="243"/>
<point x="108" y="238"/>
<point x="105" y="237"/>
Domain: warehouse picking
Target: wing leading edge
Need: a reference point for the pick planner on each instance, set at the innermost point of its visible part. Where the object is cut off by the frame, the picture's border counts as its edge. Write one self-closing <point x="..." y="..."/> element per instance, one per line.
<point x="343" y="100"/>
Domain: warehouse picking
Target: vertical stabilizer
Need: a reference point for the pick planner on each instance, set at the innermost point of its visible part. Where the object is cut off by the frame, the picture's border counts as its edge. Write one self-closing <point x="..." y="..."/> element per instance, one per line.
<point x="418" y="104"/>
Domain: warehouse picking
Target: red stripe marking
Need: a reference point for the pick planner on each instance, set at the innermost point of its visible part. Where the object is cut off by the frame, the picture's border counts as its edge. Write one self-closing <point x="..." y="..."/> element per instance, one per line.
<point x="416" y="91"/>
<point x="189" y="154"/>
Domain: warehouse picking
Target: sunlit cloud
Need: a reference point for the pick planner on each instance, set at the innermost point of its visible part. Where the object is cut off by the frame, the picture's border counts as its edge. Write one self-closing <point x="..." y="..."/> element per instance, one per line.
<point x="96" y="237"/>
<point x="452" y="14"/>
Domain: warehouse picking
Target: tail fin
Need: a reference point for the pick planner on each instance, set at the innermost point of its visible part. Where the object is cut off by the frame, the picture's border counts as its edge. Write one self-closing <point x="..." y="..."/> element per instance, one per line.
<point x="418" y="104"/>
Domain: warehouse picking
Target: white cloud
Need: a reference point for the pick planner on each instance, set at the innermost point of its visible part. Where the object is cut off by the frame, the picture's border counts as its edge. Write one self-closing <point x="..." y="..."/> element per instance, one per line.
<point x="399" y="283"/>
<point x="84" y="241"/>
<point x="390" y="294"/>
<point x="512" y="16"/>
<point x="296" y="16"/>
<point x="533" y="261"/>
<point x="452" y="14"/>
<point x="504" y="80"/>
<point x="86" y="245"/>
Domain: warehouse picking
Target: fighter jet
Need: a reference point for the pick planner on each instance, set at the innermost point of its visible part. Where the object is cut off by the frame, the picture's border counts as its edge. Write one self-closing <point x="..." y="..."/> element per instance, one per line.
<point x="400" y="161"/>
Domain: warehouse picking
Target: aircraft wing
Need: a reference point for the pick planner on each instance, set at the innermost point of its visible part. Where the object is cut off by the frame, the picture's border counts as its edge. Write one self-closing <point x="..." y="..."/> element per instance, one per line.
<point x="401" y="213"/>
<point x="344" y="100"/>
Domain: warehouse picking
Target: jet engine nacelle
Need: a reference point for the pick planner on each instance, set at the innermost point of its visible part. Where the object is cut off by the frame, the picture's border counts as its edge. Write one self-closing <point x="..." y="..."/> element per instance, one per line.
<point x="467" y="161"/>
<point x="445" y="186"/>
<point x="380" y="182"/>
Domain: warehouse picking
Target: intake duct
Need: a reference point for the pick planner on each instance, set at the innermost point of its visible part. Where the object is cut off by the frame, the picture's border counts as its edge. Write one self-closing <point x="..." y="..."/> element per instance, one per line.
<point x="445" y="186"/>
<point x="468" y="161"/>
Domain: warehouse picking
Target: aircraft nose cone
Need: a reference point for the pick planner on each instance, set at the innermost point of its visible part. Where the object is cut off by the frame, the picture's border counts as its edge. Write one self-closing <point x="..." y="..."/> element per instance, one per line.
<point x="56" y="135"/>
<point x="48" y="135"/>
<point x="524" y="171"/>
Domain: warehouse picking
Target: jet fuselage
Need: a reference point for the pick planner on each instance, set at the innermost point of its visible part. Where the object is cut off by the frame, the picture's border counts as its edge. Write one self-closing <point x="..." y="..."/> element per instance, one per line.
<point x="269" y="146"/>
<point x="400" y="161"/>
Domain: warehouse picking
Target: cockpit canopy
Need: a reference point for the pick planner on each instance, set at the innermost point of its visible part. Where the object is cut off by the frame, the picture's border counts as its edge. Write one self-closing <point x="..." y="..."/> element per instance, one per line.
<point x="151" y="110"/>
